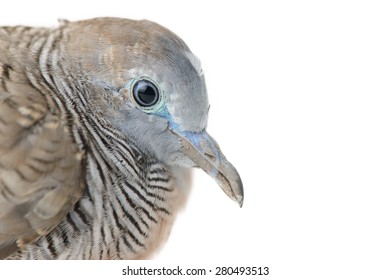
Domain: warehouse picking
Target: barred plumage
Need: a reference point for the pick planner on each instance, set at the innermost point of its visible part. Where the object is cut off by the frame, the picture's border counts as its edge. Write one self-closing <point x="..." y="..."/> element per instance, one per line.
<point x="85" y="172"/>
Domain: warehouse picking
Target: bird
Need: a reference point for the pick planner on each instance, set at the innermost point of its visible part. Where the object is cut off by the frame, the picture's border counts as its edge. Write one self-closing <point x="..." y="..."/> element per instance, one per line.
<point x="102" y="121"/>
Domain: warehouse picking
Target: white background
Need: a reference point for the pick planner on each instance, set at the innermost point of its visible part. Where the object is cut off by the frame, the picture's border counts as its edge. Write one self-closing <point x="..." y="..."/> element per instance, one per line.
<point x="300" y="104"/>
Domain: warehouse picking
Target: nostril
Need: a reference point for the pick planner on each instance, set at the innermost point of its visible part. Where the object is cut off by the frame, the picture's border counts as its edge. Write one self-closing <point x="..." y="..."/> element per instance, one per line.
<point x="210" y="157"/>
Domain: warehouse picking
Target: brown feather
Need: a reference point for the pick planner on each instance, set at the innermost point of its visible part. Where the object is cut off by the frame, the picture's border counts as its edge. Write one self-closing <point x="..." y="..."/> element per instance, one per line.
<point x="40" y="174"/>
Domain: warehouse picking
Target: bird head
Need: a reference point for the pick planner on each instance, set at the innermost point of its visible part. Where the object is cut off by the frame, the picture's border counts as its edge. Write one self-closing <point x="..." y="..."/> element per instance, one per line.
<point x="163" y="105"/>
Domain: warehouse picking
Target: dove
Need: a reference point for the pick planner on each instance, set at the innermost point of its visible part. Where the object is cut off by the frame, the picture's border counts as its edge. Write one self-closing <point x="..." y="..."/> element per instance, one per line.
<point x="101" y="122"/>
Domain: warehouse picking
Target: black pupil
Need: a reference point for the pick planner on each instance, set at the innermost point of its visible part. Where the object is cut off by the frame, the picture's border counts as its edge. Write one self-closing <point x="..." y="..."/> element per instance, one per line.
<point x="145" y="93"/>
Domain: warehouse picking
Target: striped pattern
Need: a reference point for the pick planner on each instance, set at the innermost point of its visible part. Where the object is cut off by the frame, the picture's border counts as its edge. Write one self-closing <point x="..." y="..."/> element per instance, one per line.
<point x="128" y="204"/>
<point x="112" y="220"/>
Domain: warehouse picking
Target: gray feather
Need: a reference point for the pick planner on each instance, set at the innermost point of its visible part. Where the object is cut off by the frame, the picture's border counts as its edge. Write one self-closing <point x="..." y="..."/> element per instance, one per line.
<point x="86" y="172"/>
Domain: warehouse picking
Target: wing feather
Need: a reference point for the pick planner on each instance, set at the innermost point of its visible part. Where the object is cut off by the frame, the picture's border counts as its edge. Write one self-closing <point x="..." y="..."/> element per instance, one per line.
<point x="41" y="168"/>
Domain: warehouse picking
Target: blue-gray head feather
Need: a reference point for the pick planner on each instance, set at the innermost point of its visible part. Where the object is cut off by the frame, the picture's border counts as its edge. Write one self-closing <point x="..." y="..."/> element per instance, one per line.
<point x="173" y="129"/>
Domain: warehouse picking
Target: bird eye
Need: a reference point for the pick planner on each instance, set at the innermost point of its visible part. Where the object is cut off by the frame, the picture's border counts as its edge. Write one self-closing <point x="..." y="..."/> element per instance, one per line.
<point x="145" y="93"/>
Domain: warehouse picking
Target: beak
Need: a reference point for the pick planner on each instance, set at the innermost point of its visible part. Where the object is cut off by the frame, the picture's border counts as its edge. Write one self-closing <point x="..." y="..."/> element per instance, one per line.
<point x="204" y="151"/>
